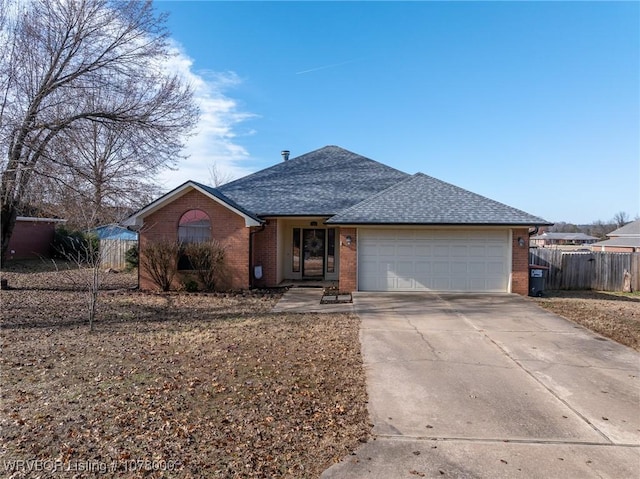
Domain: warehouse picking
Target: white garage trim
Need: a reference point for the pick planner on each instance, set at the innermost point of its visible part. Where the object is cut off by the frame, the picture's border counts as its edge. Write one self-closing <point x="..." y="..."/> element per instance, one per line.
<point x="457" y="260"/>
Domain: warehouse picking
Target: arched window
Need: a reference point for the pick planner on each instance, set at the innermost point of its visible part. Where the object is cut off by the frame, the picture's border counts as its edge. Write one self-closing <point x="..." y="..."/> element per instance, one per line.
<point x="194" y="227"/>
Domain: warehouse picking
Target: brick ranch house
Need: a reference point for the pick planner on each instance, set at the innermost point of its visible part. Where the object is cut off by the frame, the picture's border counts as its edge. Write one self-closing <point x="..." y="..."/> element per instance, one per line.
<point x="625" y="239"/>
<point x="335" y="215"/>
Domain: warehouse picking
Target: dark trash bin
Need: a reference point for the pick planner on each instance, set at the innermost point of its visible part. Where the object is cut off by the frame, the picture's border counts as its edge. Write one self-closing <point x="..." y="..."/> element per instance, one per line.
<point x="537" y="274"/>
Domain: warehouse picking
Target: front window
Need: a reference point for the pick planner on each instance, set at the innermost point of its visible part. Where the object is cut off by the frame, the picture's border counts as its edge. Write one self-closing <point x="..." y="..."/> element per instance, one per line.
<point x="194" y="227"/>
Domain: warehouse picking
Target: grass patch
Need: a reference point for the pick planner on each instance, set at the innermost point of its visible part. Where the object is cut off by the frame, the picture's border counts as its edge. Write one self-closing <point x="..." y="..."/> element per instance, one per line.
<point x="611" y="314"/>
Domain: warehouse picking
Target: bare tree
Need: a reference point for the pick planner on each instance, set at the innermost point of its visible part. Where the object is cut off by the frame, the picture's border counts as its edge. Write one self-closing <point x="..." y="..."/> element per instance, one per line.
<point x="219" y="177"/>
<point x="83" y="267"/>
<point x="562" y="227"/>
<point x="106" y="173"/>
<point x="599" y="229"/>
<point x="620" y="219"/>
<point x="77" y="69"/>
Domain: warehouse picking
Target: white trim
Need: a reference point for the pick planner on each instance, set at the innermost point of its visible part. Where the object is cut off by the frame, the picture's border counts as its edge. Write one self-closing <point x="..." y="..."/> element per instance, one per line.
<point x="137" y="219"/>
<point x="39" y="220"/>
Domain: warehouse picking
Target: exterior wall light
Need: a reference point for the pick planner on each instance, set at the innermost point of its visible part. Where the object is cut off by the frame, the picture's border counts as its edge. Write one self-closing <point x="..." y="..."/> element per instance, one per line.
<point x="348" y="240"/>
<point x="521" y="242"/>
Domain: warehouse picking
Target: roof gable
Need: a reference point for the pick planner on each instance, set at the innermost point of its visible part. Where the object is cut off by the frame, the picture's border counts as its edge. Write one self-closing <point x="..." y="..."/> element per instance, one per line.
<point x="320" y="183"/>
<point x="421" y="199"/>
<point x="137" y="219"/>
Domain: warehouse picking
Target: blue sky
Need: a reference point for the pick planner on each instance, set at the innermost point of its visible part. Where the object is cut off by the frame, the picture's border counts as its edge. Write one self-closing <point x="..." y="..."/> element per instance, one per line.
<point x="534" y="104"/>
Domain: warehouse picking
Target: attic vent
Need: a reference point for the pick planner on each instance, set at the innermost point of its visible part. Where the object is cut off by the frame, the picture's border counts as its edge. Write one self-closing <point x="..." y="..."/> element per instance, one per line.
<point x="285" y="155"/>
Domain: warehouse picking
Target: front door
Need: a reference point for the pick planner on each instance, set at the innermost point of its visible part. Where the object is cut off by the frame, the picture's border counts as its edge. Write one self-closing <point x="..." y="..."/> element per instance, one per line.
<point x="313" y="253"/>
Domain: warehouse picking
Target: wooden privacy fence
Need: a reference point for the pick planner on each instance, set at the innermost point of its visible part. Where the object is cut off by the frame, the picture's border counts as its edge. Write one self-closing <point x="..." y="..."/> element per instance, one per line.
<point x="599" y="271"/>
<point x="113" y="252"/>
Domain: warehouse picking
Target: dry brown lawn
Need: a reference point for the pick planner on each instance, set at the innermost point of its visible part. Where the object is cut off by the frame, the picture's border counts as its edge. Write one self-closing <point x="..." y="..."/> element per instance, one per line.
<point x="613" y="315"/>
<point x="193" y="385"/>
<point x="172" y="385"/>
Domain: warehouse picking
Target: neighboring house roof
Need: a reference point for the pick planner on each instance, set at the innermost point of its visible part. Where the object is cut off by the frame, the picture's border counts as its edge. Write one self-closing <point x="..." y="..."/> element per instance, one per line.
<point x="421" y="199"/>
<point x="630" y="230"/>
<point x="320" y="183"/>
<point x="620" y="242"/>
<point x="114" y="232"/>
<point x="627" y="236"/>
<point x="564" y="236"/>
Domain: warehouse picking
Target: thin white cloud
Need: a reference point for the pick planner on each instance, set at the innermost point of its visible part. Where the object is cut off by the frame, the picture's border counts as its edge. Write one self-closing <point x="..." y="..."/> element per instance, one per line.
<point x="215" y="138"/>
<point x="333" y="65"/>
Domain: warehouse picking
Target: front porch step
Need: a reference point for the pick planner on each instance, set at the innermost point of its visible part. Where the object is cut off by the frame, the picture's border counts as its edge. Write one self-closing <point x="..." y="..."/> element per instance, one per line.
<point x="333" y="296"/>
<point x="308" y="283"/>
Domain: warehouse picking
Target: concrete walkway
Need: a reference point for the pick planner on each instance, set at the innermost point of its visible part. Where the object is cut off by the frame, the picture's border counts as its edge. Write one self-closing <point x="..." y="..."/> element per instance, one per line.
<point x="491" y="386"/>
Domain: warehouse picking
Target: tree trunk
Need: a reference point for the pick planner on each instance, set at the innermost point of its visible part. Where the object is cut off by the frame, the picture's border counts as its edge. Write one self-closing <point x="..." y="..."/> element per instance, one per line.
<point x="8" y="213"/>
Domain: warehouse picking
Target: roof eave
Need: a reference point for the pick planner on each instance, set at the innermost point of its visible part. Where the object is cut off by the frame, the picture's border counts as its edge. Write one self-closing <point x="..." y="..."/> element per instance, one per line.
<point x="380" y="223"/>
<point x="294" y="215"/>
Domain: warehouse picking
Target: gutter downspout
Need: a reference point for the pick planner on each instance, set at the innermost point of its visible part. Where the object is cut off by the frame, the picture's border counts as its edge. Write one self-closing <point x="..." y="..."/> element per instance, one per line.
<point x="251" y="265"/>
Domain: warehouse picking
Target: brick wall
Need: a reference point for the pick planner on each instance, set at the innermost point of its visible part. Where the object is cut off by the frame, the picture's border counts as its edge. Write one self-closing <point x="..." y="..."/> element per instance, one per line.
<point x="348" y="260"/>
<point x="520" y="263"/>
<point x="265" y="253"/>
<point x="226" y="226"/>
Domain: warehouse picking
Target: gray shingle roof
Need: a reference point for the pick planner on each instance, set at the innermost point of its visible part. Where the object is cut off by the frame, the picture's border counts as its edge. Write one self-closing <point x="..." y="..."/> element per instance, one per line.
<point x="322" y="182"/>
<point x="630" y="229"/>
<point x="620" y="241"/>
<point x="421" y="199"/>
<point x="221" y="196"/>
<point x="564" y="236"/>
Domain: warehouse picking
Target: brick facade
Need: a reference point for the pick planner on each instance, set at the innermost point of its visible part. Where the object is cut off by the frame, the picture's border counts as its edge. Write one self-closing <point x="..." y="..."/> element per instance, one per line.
<point x="348" y="260"/>
<point x="520" y="262"/>
<point x="226" y="226"/>
<point x="229" y="228"/>
<point x="265" y="253"/>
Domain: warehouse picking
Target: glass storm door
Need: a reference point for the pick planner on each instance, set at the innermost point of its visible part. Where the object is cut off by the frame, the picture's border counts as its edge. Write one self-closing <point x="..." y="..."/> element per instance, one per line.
<point x="313" y="253"/>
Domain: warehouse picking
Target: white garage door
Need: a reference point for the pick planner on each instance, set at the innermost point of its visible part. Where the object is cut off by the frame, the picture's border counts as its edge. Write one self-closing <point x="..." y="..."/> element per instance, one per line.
<point x="433" y="260"/>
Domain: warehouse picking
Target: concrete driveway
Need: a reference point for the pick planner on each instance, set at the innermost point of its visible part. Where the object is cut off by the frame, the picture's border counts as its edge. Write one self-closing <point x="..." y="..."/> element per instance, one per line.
<point x="491" y="386"/>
